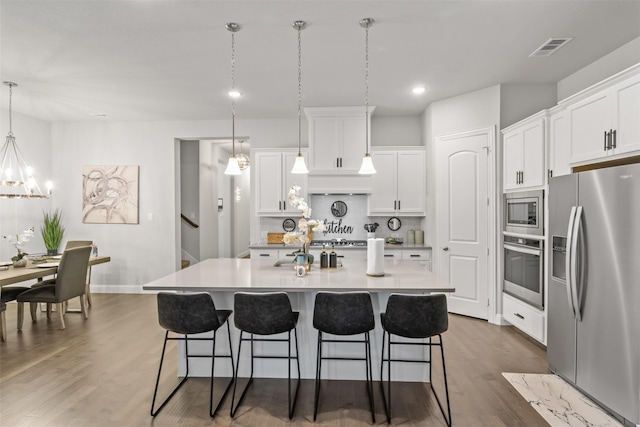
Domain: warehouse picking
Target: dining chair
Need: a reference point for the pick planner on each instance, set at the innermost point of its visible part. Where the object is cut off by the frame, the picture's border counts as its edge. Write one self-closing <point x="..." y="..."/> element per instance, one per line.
<point x="265" y="314"/>
<point x="8" y="293"/>
<point x="70" y="282"/>
<point x="188" y="314"/>
<point x="76" y="244"/>
<point x="420" y="317"/>
<point x="343" y="314"/>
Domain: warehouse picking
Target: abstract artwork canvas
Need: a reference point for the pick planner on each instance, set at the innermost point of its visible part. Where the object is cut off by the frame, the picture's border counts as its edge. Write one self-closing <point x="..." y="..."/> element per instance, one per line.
<point x="110" y="194"/>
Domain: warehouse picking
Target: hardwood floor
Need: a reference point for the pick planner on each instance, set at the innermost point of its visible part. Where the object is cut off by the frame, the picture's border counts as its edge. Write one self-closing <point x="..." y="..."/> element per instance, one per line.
<point x="101" y="372"/>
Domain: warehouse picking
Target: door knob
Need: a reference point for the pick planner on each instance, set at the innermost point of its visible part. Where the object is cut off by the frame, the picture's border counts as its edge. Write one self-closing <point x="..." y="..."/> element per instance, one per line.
<point x="446" y="248"/>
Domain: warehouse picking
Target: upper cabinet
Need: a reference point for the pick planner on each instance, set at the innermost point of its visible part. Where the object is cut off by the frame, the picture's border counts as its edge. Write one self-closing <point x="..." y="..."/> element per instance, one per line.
<point x="523" y="153"/>
<point x="273" y="178"/>
<point x="336" y="139"/>
<point x="399" y="186"/>
<point x="604" y="122"/>
<point x="559" y="150"/>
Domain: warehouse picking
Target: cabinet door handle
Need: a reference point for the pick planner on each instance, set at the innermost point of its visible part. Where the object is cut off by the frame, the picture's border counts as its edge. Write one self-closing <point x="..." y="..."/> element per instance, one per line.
<point x="399" y="205"/>
<point x="518" y="315"/>
<point x="614" y="138"/>
<point x="609" y="140"/>
<point x="605" y="140"/>
<point x="265" y="255"/>
<point x="521" y="177"/>
<point x="395" y="205"/>
<point x="340" y="161"/>
<point x="414" y="256"/>
<point x="337" y="162"/>
<point x="389" y="255"/>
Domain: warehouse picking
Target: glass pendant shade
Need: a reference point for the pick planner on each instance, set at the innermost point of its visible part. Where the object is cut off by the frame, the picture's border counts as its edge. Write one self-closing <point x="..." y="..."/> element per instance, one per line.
<point x="299" y="166"/>
<point x="233" y="168"/>
<point x="243" y="161"/>
<point x="367" y="165"/>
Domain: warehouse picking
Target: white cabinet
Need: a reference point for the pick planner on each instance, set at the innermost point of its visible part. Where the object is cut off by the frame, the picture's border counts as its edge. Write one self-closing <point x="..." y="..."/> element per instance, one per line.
<point x="423" y="256"/>
<point x="336" y="139"/>
<point x="524" y="317"/>
<point x="605" y="124"/>
<point x="559" y="148"/>
<point x="399" y="186"/>
<point x="523" y="153"/>
<point x="274" y="254"/>
<point x="273" y="178"/>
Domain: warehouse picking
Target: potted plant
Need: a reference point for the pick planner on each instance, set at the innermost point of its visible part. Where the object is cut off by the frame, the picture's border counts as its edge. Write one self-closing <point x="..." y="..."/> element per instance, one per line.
<point x="52" y="231"/>
<point x="17" y="241"/>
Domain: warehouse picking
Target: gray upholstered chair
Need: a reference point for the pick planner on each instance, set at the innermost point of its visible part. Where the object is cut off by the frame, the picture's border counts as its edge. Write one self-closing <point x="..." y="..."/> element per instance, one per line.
<point x="265" y="314"/>
<point x="76" y="244"/>
<point x="418" y="317"/>
<point x="70" y="282"/>
<point x="188" y="314"/>
<point x="343" y="314"/>
<point x="8" y="293"/>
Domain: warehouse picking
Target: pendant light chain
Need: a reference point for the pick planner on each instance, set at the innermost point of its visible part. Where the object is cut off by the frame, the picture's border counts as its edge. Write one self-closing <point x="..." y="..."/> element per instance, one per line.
<point x="366" y="86"/>
<point x="233" y="86"/>
<point x="299" y="86"/>
<point x="10" y="103"/>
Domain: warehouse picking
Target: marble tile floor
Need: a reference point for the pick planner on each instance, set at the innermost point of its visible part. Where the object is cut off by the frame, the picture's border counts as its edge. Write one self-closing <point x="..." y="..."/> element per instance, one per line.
<point x="558" y="402"/>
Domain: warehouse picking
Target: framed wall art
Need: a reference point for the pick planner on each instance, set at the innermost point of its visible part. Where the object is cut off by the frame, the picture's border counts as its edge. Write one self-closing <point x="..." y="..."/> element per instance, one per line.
<point x="110" y="194"/>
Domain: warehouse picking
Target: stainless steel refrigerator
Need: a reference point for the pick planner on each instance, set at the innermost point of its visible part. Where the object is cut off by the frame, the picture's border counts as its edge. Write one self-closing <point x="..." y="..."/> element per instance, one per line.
<point x="593" y="337"/>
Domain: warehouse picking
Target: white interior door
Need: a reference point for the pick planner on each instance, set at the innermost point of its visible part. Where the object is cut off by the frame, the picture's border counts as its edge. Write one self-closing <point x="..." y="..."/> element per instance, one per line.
<point x="463" y="219"/>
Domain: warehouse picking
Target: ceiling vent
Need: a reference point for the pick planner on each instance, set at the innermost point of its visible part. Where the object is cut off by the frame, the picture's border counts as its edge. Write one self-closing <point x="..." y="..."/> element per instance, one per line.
<point x="551" y="46"/>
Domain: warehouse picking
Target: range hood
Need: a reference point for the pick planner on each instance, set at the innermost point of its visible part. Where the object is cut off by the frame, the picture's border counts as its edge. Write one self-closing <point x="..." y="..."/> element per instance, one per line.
<point x="339" y="184"/>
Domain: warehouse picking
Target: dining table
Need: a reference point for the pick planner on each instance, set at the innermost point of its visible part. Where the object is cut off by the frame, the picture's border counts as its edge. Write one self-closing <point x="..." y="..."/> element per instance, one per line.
<point x="39" y="270"/>
<point x="222" y="277"/>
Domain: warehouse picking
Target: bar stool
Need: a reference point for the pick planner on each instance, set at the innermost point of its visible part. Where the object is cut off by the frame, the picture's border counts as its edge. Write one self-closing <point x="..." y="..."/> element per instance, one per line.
<point x="8" y="293"/>
<point x="265" y="314"/>
<point x="419" y="317"/>
<point x="343" y="313"/>
<point x="187" y="314"/>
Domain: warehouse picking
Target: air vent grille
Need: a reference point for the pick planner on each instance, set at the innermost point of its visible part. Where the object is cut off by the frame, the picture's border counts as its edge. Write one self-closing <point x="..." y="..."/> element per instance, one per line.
<point x="551" y="46"/>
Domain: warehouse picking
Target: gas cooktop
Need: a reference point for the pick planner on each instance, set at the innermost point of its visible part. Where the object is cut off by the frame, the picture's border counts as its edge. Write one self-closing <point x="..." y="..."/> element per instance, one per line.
<point x="339" y="243"/>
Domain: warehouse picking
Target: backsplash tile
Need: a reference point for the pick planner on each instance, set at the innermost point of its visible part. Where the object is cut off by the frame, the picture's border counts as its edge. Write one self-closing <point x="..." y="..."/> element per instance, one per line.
<point x="351" y="225"/>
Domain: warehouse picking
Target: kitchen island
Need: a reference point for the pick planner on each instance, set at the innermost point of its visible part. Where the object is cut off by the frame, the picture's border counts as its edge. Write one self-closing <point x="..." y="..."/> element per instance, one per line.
<point x="222" y="277"/>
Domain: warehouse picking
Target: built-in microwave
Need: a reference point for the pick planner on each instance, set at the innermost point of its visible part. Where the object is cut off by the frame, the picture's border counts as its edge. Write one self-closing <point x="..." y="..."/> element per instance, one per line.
<point x="523" y="212"/>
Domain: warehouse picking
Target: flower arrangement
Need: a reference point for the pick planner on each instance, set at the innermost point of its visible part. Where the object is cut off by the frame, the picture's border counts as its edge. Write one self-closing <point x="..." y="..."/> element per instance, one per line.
<point x="18" y="242"/>
<point x="305" y="225"/>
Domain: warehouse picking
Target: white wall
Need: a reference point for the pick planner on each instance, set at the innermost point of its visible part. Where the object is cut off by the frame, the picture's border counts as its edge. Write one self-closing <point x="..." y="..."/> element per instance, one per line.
<point x="146" y="251"/>
<point x="610" y="64"/>
<point x="518" y="101"/>
<point x="396" y="131"/>
<point x="33" y="138"/>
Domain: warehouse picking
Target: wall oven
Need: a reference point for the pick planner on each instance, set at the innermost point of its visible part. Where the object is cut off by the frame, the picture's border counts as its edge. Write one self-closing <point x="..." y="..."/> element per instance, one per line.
<point x="523" y="269"/>
<point x="523" y="212"/>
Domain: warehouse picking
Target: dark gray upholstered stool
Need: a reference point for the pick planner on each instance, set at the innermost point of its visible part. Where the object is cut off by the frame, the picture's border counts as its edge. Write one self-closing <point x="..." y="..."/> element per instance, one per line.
<point x="420" y="317"/>
<point x="8" y="293"/>
<point x="186" y="314"/>
<point x="265" y="314"/>
<point x="343" y="313"/>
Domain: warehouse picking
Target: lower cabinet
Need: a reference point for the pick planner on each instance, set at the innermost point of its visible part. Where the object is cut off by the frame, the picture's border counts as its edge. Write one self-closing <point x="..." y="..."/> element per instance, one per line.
<point x="274" y="254"/>
<point x="528" y="319"/>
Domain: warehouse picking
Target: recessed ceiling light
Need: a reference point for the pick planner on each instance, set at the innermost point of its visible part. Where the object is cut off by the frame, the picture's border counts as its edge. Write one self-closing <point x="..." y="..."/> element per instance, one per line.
<point x="99" y="115"/>
<point x="234" y="93"/>
<point x="418" y="90"/>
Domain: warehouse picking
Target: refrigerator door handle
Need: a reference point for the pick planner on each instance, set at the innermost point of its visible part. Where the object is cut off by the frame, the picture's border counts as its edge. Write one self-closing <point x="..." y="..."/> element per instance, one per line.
<point x="569" y="253"/>
<point x="577" y="227"/>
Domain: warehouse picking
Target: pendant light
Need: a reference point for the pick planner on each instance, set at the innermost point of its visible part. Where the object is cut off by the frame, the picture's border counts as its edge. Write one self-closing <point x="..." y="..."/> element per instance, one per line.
<point x="233" y="168"/>
<point x="16" y="177"/>
<point x="299" y="167"/>
<point x="367" y="162"/>
<point x="243" y="159"/>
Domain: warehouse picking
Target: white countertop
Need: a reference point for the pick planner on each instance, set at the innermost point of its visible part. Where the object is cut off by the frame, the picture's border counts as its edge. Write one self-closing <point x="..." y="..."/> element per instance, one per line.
<point x="387" y="246"/>
<point x="230" y="274"/>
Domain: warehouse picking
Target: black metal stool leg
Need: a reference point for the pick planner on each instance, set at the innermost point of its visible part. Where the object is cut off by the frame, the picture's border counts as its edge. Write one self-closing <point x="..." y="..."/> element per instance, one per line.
<point x="447" y="419"/>
<point x="318" y="371"/>
<point x="212" y="411"/>
<point x="246" y="388"/>
<point x="369" y="375"/>
<point x="162" y="405"/>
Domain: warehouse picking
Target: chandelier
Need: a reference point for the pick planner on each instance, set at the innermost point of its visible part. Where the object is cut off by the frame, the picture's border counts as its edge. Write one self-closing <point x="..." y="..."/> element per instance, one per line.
<point x="16" y="177"/>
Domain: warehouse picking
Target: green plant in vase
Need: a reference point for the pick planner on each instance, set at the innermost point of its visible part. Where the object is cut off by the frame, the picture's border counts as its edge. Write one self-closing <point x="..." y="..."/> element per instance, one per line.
<point x="52" y="231"/>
